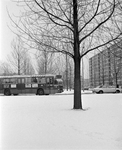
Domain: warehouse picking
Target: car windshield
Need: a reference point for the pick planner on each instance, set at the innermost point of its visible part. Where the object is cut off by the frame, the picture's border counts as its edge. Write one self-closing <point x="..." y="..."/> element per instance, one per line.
<point x="100" y="86"/>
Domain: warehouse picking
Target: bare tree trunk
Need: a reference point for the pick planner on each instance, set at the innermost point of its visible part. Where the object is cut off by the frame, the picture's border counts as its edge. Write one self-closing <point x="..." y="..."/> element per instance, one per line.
<point x="77" y="59"/>
<point x="66" y="73"/>
<point x="77" y="85"/>
<point x="116" y="80"/>
<point x="45" y="66"/>
<point x="70" y="84"/>
<point x="18" y="65"/>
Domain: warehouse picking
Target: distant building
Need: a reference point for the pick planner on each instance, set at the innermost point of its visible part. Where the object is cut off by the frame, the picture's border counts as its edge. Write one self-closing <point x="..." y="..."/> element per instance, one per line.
<point x="84" y="83"/>
<point x="106" y="67"/>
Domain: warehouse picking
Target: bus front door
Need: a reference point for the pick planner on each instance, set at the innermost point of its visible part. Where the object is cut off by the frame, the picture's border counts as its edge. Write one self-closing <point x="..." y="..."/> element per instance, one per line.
<point x="50" y="85"/>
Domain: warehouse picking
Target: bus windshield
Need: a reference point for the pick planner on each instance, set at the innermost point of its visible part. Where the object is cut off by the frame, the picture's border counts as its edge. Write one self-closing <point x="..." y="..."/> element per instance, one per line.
<point x="59" y="81"/>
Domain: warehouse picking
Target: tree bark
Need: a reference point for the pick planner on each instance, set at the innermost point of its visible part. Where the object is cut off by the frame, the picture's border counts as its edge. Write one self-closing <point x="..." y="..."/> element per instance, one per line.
<point x="77" y="85"/>
<point x="77" y="59"/>
<point x="116" y="80"/>
<point x="18" y="65"/>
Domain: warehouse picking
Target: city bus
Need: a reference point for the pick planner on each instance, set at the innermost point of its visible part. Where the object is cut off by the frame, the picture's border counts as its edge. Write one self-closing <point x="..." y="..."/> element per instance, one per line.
<point x="36" y="84"/>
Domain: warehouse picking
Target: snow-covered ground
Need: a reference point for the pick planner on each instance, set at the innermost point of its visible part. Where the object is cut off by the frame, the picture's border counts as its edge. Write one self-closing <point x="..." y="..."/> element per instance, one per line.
<point x="72" y="91"/>
<point x="49" y="122"/>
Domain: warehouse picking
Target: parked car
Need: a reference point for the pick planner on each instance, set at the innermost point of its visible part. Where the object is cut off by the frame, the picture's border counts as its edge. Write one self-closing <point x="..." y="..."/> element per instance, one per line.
<point x="106" y="89"/>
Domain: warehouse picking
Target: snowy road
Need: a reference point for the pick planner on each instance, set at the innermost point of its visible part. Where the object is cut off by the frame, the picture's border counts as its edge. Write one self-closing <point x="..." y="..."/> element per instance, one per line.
<point x="49" y="122"/>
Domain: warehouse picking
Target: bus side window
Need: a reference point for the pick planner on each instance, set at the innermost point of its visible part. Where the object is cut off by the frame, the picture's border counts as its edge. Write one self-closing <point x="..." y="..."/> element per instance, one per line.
<point x="23" y="80"/>
<point x="43" y="80"/>
<point x="13" y="81"/>
<point x="48" y="80"/>
<point x="34" y="80"/>
<point x="19" y="81"/>
<point x="5" y="80"/>
<point x="28" y="80"/>
<point x="39" y="80"/>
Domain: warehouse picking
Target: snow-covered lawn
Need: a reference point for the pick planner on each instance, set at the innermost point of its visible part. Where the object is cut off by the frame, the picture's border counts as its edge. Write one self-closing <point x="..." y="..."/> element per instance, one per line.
<point x="49" y="122"/>
<point x="72" y="91"/>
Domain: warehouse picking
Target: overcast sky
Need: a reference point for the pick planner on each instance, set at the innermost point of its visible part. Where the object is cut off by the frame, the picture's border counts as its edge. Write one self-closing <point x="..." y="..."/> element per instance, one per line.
<point x="6" y="36"/>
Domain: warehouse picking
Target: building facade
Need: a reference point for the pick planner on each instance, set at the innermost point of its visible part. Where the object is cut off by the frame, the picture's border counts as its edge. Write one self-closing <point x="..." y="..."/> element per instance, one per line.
<point x="105" y="68"/>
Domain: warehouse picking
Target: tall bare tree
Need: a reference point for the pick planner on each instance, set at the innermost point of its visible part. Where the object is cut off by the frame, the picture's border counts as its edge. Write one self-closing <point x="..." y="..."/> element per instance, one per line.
<point x="19" y="58"/>
<point x="16" y="57"/>
<point x="27" y="68"/>
<point x="5" y="69"/>
<point x="44" y="60"/>
<point x="75" y="22"/>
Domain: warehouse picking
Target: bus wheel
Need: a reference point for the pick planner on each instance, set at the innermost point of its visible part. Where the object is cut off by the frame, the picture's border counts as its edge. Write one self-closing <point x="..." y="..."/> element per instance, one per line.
<point x="40" y="92"/>
<point x="7" y="92"/>
<point x="117" y="91"/>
